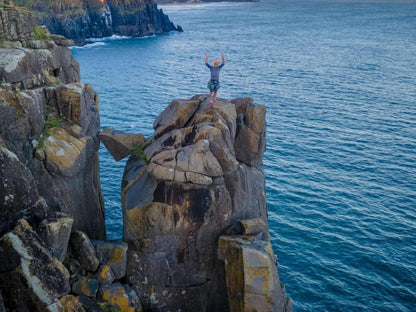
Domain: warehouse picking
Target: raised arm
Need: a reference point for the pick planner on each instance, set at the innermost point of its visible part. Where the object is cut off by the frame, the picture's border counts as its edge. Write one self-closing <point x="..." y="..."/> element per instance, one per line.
<point x="222" y="58"/>
<point x="206" y="58"/>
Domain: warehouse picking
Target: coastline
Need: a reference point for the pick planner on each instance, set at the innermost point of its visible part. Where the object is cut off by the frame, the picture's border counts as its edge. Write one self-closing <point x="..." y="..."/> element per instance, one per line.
<point x="198" y="2"/>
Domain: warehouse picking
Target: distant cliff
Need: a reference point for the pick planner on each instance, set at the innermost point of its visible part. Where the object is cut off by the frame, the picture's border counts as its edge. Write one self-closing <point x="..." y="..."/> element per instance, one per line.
<point x="82" y="19"/>
<point x="198" y="1"/>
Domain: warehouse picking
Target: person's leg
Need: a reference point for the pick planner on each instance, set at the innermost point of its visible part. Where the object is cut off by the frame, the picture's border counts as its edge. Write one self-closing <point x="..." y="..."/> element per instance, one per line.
<point x="215" y="96"/>
<point x="210" y="96"/>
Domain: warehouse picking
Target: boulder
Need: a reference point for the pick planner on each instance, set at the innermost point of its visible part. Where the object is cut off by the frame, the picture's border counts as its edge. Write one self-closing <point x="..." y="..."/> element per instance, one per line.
<point x="251" y="274"/>
<point x="121" y="298"/>
<point x="254" y="226"/>
<point x="83" y="250"/>
<point x="105" y="275"/>
<point x="55" y="231"/>
<point x="65" y="155"/>
<point x="85" y="286"/>
<point x="119" y="143"/>
<point x="113" y="254"/>
<point x="176" y="115"/>
<point x="90" y="304"/>
<point x="30" y="278"/>
<point x="67" y="303"/>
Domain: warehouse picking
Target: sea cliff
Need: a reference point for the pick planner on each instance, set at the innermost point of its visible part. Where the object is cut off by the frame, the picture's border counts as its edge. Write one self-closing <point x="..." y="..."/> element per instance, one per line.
<point x="194" y="207"/>
<point x="49" y="124"/>
<point x="82" y="19"/>
<point x="195" y="215"/>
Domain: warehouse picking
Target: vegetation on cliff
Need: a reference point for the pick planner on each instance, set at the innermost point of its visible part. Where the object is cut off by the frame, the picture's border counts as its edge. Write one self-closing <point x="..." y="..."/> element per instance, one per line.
<point x="82" y="19"/>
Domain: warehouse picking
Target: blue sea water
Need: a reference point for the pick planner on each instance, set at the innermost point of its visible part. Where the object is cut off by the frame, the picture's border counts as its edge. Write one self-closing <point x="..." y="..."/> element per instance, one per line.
<point x="339" y="82"/>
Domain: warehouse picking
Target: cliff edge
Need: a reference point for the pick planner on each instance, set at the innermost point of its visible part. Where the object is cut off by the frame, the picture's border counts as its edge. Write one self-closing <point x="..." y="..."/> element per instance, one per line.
<point x="195" y="216"/>
<point x="83" y="19"/>
<point x="49" y="124"/>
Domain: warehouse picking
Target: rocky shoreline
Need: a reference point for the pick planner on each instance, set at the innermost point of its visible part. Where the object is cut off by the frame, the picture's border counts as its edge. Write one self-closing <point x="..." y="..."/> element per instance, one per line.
<point x="190" y="2"/>
<point x="194" y="207"/>
<point x="83" y="19"/>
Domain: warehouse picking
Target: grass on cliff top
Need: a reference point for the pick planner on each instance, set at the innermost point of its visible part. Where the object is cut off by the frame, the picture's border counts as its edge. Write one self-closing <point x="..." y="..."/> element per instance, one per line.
<point x="41" y="33"/>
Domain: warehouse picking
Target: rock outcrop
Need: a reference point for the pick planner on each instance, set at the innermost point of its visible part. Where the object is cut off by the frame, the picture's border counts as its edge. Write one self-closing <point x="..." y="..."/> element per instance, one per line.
<point x="194" y="206"/>
<point x="49" y="124"/>
<point x="195" y="216"/>
<point x="86" y="277"/>
<point x="82" y="19"/>
<point x="119" y="143"/>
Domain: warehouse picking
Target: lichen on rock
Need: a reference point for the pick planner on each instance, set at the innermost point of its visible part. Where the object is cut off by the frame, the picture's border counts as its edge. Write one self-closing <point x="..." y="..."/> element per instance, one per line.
<point x="204" y="174"/>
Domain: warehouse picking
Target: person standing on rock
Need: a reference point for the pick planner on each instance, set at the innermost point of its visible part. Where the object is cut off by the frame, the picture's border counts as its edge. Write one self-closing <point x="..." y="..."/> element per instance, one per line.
<point x="214" y="83"/>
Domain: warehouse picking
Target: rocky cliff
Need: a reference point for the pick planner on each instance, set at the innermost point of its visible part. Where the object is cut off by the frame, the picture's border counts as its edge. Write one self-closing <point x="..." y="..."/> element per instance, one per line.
<point x="81" y="19"/>
<point x="194" y="207"/>
<point x="49" y="124"/>
<point x="195" y="216"/>
<point x="50" y="194"/>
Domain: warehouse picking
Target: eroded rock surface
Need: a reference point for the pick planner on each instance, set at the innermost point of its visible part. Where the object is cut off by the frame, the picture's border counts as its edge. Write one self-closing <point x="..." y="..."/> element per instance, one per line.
<point x="81" y="19"/>
<point x="203" y="173"/>
<point x="35" y="279"/>
<point x="49" y="124"/>
<point x="119" y="143"/>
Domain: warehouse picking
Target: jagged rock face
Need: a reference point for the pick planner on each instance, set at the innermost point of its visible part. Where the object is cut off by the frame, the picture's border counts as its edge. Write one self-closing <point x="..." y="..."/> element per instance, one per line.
<point x="16" y="25"/>
<point x="204" y="173"/>
<point x="81" y="19"/>
<point x="49" y="124"/>
<point x="30" y="278"/>
<point x="251" y="275"/>
<point x="33" y="278"/>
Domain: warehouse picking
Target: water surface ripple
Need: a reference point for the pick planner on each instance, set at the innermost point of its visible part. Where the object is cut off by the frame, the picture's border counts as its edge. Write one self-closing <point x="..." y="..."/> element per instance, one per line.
<point x="338" y="79"/>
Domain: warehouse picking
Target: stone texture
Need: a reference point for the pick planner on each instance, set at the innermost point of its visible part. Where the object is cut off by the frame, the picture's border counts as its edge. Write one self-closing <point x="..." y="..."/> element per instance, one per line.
<point x="17" y="24"/>
<point x="89" y="304"/>
<point x="119" y="143"/>
<point x="64" y="154"/>
<point x="121" y="298"/>
<point x="2" y="308"/>
<point x="251" y="274"/>
<point x="18" y="191"/>
<point x="203" y="176"/>
<point x="85" y="286"/>
<point x="40" y="89"/>
<point x="176" y="115"/>
<point x="105" y="275"/>
<point x="254" y="226"/>
<point x="83" y="250"/>
<point x="55" y="231"/>
<point x="30" y="278"/>
<point x="113" y="254"/>
<point x="67" y="303"/>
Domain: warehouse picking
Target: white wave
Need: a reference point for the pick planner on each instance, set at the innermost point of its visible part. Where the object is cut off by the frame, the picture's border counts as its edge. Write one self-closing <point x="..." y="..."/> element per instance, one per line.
<point x="89" y="45"/>
<point x="111" y="38"/>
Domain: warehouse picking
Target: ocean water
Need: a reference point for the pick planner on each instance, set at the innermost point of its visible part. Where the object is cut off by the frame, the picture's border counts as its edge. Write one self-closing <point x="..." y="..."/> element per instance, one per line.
<point x="339" y="82"/>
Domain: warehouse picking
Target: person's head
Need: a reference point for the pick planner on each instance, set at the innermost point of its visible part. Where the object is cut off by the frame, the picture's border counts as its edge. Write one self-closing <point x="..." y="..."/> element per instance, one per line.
<point x="216" y="62"/>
